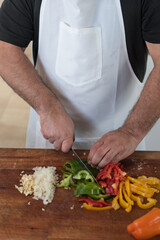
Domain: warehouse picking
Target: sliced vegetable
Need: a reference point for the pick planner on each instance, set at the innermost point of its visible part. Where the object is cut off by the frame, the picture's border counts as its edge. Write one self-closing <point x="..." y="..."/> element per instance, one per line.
<point x="74" y="167"/>
<point x="97" y="197"/>
<point x="141" y="191"/>
<point x="115" y="203"/>
<point x="110" y="178"/>
<point x="65" y="174"/>
<point x="88" y="189"/>
<point x="152" y="181"/>
<point x="66" y="181"/>
<point x="142" y="186"/>
<point x="102" y="184"/>
<point x="126" y="196"/>
<point x="94" y="203"/>
<point x="83" y="175"/>
<point x="88" y="207"/>
<point x="122" y="202"/>
<point x="146" y="226"/>
<point x="151" y="202"/>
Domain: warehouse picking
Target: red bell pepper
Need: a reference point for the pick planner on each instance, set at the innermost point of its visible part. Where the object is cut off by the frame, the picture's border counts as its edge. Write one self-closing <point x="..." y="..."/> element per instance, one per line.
<point x="112" y="175"/>
<point x="94" y="203"/>
<point x="103" y="184"/>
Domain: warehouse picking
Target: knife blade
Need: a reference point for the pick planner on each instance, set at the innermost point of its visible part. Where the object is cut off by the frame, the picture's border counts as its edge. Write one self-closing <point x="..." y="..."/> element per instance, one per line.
<point x="84" y="165"/>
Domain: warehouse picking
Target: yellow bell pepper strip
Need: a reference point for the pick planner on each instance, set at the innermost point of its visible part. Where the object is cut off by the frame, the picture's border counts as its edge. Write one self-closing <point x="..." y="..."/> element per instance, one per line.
<point x="88" y="207"/>
<point x="135" y="198"/>
<point x="152" y="181"/>
<point x="146" y="226"/>
<point x="127" y="198"/>
<point x="129" y="208"/>
<point x="141" y="191"/>
<point x="127" y="186"/>
<point x="151" y="202"/>
<point x="143" y="185"/>
<point x="115" y="204"/>
<point x="122" y="202"/>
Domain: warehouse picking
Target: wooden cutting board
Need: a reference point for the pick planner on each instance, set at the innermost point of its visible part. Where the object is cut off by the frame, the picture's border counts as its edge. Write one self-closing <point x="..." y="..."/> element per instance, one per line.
<point x="20" y="221"/>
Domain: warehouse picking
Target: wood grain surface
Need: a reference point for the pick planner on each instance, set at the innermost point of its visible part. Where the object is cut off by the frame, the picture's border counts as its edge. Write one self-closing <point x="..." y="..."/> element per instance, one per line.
<point x="20" y="221"/>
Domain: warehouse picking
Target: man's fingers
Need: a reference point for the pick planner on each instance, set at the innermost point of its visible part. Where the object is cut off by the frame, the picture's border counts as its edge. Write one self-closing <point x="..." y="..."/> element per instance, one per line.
<point x="120" y="156"/>
<point x="51" y="140"/>
<point x="57" y="144"/>
<point x="99" y="155"/>
<point x="109" y="157"/>
<point x="93" y="150"/>
<point x="67" y="144"/>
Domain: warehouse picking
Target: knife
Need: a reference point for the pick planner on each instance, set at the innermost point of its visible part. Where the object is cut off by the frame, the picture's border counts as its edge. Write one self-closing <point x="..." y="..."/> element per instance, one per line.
<point x="84" y="165"/>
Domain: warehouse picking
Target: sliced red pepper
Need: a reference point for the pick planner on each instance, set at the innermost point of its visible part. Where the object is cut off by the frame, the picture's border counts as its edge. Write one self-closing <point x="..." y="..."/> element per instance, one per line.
<point x="94" y="203"/>
<point x="103" y="184"/>
<point x="104" y="171"/>
<point x="112" y="175"/>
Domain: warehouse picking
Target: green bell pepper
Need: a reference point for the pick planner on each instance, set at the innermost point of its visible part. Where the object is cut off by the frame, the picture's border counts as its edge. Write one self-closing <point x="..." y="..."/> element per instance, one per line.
<point x="88" y="189"/>
<point x="74" y="167"/>
<point x="66" y="180"/>
<point x="84" y="176"/>
<point x="97" y="197"/>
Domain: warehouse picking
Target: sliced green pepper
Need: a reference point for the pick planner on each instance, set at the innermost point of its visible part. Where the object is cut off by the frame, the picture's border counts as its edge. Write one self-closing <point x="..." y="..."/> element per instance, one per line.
<point x="97" y="197"/>
<point x="94" y="171"/>
<point x="65" y="174"/>
<point x="88" y="189"/>
<point x="83" y="175"/>
<point x="65" y="182"/>
<point x="74" y="167"/>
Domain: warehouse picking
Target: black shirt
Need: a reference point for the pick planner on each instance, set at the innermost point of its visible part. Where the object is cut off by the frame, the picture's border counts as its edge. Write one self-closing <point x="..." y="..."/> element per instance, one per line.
<point x="19" y="24"/>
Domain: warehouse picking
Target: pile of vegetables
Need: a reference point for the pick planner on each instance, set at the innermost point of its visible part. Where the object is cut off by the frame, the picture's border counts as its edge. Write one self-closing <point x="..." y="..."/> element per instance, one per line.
<point x="73" y="175"/>
<point x="138" y="191"/>
<point x="114" y="184"/>
<point x="123" y="191"/>
<point x="95" y="195"/>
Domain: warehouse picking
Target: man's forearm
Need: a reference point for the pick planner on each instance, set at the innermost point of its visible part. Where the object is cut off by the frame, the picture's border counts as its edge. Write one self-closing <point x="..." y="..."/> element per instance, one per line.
<point x="19" y="73"/>
<point x="147" y="110"/>
<point x="120" y="143"/>
<point x="56" y="125"/>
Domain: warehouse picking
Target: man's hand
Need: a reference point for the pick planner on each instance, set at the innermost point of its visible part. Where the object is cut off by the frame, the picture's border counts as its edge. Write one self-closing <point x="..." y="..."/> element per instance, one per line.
<point x="119" y="144"/>
<point x="58" y="128"/>
<point x="112" y="147"/>
<point x="20" y="74"/>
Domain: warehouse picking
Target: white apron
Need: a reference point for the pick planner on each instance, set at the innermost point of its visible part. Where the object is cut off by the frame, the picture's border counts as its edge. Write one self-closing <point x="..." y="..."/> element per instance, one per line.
<point x="83" y="58"/>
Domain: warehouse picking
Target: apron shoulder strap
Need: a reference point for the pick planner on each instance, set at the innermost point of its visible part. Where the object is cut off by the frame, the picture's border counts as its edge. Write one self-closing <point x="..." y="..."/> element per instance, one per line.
<point x="36" y="12"/>
<point x="136" y="47"/>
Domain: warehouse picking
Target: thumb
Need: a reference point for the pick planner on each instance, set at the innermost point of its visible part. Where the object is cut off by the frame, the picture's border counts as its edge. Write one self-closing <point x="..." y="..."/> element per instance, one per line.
<point x="67" y="145"/>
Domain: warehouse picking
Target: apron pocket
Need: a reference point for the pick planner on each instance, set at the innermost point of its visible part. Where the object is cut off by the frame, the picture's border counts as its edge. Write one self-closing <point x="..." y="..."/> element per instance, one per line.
<point x="79" y="54"/>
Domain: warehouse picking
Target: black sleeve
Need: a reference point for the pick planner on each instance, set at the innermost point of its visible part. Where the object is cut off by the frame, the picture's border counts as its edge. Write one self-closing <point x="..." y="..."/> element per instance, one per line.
<point x="16" y="22"/>
<point x="151" y="20"/>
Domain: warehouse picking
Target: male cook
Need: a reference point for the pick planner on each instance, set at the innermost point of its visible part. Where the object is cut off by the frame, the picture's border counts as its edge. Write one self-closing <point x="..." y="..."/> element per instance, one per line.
<point x="90" y="60"/>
